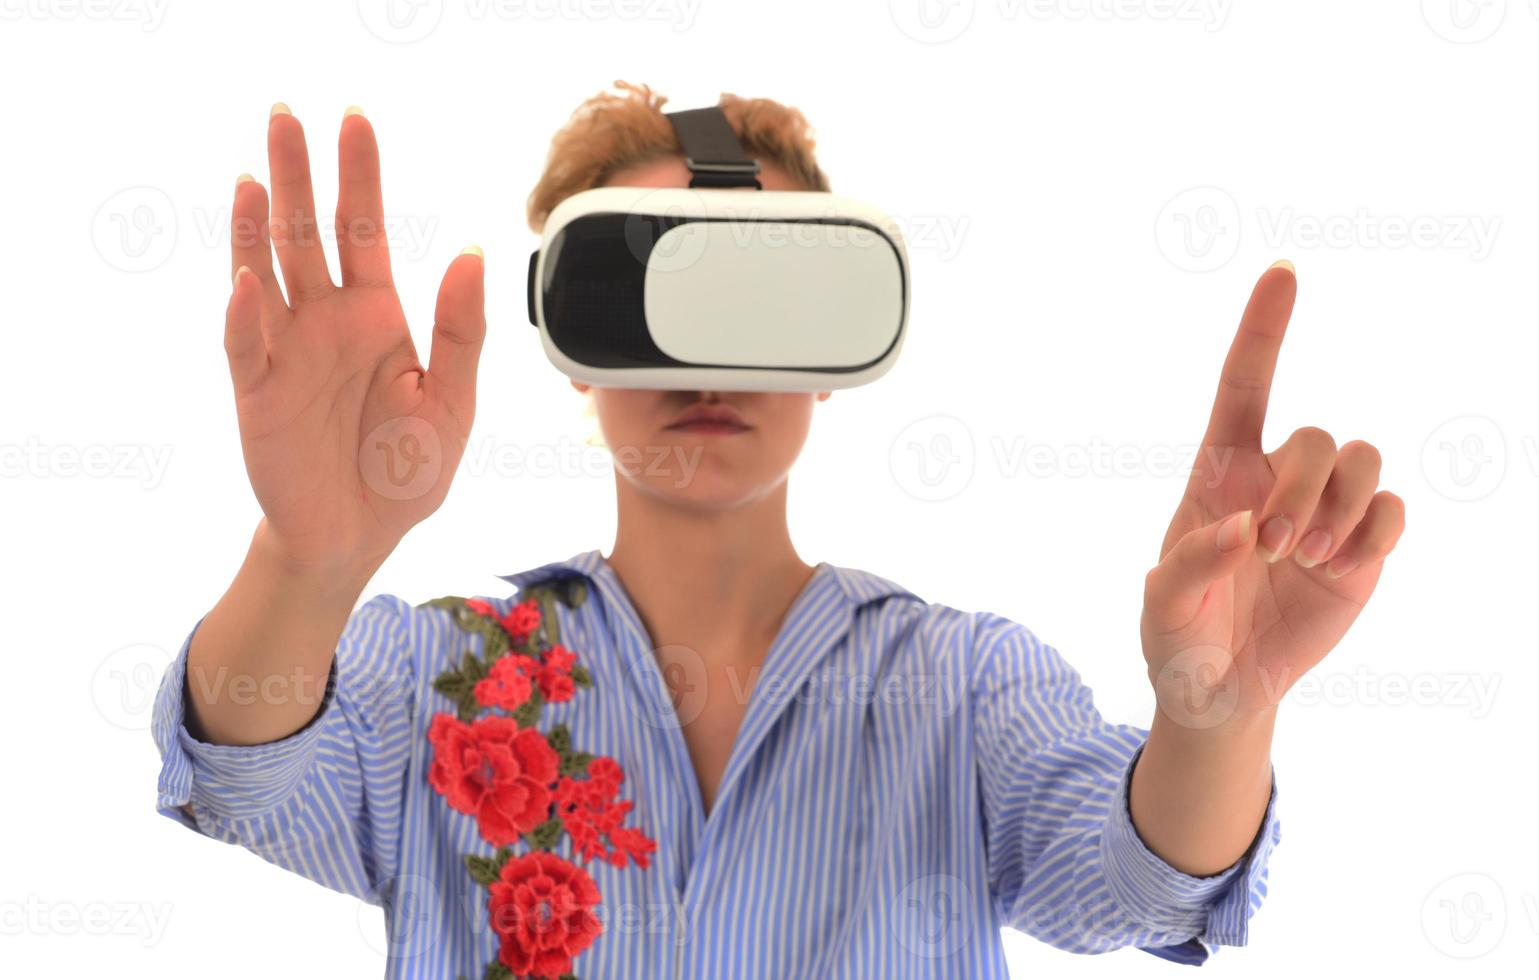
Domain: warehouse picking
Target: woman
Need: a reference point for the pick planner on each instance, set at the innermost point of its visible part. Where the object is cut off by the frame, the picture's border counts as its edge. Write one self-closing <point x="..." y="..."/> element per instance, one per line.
<point x="826" y="775"/>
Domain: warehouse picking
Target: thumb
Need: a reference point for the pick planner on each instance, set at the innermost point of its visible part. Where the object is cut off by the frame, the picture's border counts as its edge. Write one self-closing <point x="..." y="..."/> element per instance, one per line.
<point x="459" y="327"/>
<point x="1174" y="589"/>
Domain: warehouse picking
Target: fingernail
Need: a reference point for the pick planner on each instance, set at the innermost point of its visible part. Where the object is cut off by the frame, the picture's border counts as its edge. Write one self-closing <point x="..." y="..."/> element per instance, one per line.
<point x="1312" y="549"/>
<point x="473" y="250"/>
<point x="243" y="179"/>
<point x="236" y="278"/>
<point x="279" y="109"/>
<point x="1234" y="531"/>
<point x="1274" y="538"/>
<point x="1340" y="566"/>
<point x="1282" y="264"/>
<point x="352" y="110"/>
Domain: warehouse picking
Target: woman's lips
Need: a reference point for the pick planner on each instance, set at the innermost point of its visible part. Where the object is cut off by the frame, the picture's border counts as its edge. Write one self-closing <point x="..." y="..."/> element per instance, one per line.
<point x="708" y="427"/>
<point x="710" y="418"/>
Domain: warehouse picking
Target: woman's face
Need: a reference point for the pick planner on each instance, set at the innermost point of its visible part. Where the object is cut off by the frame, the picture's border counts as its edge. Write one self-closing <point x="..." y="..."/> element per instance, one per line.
<point x="709" y="466"/>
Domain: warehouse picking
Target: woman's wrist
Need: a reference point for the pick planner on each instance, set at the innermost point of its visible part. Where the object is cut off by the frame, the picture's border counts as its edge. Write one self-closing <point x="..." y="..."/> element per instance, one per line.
<point x="1198" y="794"/>
<point x="336" y="577"/>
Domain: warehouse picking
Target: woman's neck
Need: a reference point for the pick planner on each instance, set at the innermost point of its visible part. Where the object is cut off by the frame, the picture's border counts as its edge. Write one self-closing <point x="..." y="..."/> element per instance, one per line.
<point x="716" y="580"/>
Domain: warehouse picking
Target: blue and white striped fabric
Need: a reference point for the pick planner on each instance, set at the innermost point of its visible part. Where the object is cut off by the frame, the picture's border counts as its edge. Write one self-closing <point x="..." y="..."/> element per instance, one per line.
<point x="908" y="779"/>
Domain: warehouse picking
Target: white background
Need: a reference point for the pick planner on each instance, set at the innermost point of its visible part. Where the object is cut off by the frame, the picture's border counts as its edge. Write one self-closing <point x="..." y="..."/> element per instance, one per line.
<point x="1089" y="189"/>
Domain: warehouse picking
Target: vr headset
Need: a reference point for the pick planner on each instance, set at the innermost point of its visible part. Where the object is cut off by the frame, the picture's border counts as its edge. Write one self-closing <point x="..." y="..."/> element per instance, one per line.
<point x="720" y="286"/>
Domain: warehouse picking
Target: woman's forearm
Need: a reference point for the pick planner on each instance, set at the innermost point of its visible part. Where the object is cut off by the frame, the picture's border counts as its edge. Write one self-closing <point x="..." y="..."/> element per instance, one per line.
<point x="1198" y="795"/>
<point x="258" y="663"/>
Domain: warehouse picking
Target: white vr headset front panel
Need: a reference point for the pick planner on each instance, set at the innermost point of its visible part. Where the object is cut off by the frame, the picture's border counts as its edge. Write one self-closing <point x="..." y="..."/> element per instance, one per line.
<point x="753" y="290"/>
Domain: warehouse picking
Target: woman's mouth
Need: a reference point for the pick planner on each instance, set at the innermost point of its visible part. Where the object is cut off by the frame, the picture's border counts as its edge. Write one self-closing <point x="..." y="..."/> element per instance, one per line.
<point x="710" y="419"/>
<point x="709" y="427"/>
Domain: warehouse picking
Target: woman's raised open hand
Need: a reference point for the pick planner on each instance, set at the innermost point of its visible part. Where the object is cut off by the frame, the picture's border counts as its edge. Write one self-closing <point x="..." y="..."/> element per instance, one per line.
<point x="348" y="441"/>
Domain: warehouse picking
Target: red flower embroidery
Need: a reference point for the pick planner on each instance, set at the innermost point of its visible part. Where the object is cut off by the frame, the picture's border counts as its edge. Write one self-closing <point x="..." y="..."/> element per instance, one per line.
<point x="509" y="683"/>
<point x="555" y="674"/>
<point x="513" y="677"/>
<point x="495" y="772"/>
<point x="510" y="779"/>
<point x="592" y="817"/>
<point x="521" y="620"/>
<point x="542" y="911"/>
<point x="606" y="772"/>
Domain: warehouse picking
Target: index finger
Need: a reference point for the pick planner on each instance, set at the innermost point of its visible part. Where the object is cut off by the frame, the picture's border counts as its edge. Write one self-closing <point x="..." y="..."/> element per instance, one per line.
<point x="1239" y="408"/>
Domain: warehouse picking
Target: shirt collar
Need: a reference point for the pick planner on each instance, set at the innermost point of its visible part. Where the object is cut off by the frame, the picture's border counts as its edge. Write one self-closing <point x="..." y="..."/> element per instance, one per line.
<point x="859" y="587"/>
<point x="583" y="563"/>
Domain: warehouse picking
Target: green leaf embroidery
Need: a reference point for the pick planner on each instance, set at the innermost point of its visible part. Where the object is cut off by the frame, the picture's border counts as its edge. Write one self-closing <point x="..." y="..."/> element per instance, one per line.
<point x="468" y="707"/>
<point x="497" y="644"/>
<point x="451" y="684"/>
<point x="550" y="623"/>
<point x="543" y="837"/>
<point x="473" y="667"/>
<point x="528" y="713"/>
<point x="495" y="970"/>
<point x="560" y="738"/>
<point x="483" y="869"/>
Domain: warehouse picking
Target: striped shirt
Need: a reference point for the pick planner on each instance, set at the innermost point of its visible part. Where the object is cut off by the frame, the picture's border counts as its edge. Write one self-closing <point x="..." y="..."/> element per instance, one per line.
<point x="908" y="778"/>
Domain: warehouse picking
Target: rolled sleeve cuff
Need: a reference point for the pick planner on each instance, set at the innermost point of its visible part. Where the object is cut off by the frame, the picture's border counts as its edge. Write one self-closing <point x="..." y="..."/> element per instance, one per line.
<point x="225" y="781"/>
<point x="1215" y="909"/>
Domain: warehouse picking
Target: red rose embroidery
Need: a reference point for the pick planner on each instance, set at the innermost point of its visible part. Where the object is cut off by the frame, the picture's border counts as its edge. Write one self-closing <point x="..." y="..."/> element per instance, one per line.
<point x="542" y="911"/>
<point x="522" y="619"/>
<point x="522" y="784"/>
<point x="513" y="678"/>
<point x="494" y="771"/>
<point x="509" y="683"/>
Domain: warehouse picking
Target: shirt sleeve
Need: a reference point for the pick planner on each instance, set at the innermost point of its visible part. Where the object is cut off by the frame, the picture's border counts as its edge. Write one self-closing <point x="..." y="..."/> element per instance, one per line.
<point x="1064" y="860"/>
<point x="325" y="802"/>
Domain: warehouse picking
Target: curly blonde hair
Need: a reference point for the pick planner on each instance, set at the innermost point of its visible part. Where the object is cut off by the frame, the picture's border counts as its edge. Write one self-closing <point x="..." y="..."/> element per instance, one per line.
<point x="610" y="132"/>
